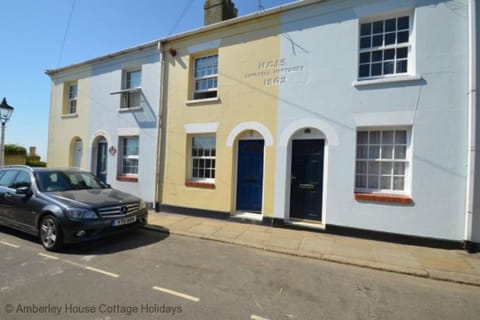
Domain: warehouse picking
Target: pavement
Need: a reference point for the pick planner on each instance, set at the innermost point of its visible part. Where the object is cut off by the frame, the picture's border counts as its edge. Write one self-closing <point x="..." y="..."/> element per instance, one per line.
<point x="439" y="264"/>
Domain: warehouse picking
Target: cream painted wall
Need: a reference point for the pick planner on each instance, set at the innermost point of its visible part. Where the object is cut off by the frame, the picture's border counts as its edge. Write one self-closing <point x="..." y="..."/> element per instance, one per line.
<point x="64" y="129"/>
<point x="244" y="51"/>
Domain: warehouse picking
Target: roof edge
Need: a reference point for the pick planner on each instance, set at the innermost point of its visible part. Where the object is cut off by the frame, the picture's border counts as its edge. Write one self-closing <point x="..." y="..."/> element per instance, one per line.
<point x="241" y="19"/>
<point x="141" y="47"/>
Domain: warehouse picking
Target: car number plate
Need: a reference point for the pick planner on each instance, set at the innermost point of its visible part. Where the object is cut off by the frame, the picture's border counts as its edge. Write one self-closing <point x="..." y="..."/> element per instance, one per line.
<point x="123" y="221"/>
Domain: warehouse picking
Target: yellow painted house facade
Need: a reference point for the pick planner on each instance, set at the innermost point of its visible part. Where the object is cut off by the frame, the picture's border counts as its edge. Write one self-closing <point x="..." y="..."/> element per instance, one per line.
<point x="220" y="102"/>
<point x="69" y="128"/>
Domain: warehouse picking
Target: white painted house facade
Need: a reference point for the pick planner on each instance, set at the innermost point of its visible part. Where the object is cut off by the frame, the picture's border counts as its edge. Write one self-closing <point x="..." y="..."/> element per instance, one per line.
<point x="387" y="90"/>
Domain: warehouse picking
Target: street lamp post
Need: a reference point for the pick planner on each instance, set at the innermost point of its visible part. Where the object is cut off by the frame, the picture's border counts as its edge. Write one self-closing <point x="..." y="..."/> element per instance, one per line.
<point x="5" y="113"/>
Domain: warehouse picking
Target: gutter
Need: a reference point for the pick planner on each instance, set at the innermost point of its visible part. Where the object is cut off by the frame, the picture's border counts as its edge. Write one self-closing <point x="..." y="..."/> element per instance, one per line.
<point x="51" y="72"/>
<point x="472" y="124"/>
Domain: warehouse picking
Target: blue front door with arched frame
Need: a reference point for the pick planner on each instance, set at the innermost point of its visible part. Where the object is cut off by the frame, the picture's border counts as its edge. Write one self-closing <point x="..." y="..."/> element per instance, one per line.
<point x="250" y="175"/>
<point x="102" y="160"/>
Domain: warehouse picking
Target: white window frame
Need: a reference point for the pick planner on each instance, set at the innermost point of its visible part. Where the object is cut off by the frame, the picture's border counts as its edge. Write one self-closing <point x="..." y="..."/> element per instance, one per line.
<point x="123" y="157"/>
<point x="212" y="76"/>
<point x="128" y="90"/>
<point x="381" y="159"/>
<point x="192" y="157"/>
<point x="408" y="45"/>
<point x="72" y="99"/>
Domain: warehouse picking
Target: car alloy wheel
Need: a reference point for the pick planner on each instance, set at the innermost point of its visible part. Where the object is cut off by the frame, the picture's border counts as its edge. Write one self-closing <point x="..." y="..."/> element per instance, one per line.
<point x="50" y="233"/>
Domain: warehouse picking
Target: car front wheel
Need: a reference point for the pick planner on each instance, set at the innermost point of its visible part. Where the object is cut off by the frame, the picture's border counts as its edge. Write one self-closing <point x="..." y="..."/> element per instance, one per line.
<point x="51" y="233"/>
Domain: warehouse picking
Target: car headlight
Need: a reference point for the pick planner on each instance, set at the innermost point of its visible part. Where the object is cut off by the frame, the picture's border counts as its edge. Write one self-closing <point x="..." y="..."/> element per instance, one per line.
<point x="142" y="205"/>
<point x="76" y="213"/>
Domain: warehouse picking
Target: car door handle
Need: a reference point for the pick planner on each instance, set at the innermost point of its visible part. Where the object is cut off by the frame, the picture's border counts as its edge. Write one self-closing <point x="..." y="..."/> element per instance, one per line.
<point x="8" y="195"/>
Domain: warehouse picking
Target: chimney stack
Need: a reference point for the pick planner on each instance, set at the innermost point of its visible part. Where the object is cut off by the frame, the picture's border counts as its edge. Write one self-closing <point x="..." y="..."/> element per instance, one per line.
<point x="219" y="10"/>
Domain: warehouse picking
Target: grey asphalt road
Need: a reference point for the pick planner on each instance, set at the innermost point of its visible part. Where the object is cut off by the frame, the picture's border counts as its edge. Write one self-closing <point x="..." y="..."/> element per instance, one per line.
<point x="152" y="275"/>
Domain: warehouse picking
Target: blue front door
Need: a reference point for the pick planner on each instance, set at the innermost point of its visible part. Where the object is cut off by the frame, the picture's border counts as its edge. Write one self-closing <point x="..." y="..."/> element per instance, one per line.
<point x="102" y="161"/>
<point x="250" y="175"/>
<point x="306" y="190"/>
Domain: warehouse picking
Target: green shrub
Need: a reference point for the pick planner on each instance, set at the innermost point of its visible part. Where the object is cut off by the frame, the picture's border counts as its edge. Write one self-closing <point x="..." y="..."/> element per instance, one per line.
<point x="12" y="149"/>
<point x="36" y="164"/>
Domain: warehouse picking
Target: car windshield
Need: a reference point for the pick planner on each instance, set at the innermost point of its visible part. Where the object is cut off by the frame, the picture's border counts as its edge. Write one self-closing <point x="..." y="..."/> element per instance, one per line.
<point x="51" y="181"/>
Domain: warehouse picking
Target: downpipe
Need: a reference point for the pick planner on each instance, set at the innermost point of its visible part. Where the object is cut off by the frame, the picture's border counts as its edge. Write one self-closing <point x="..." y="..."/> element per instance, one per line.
<point x="472" y="104"/>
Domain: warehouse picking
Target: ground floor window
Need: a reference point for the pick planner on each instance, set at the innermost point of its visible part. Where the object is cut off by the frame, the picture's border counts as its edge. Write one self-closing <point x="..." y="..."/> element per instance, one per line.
<point x="129" y="153"/>
<point x="203" y="157"/>
<point x="381" y="160"/>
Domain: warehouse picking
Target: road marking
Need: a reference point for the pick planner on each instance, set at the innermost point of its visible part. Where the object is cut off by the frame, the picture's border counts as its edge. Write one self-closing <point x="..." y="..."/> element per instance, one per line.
<point x="79" y="265"/>
<point x="113" y="275"/>
<point x="9" y="244"/>
<point x="178" y="294"/>
<point x="47" y="256"/>
<point x="254" y="317"/>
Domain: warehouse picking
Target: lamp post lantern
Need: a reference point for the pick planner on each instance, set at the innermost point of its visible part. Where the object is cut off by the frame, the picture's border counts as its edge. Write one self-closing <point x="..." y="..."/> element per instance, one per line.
<point x="5" y="114"/>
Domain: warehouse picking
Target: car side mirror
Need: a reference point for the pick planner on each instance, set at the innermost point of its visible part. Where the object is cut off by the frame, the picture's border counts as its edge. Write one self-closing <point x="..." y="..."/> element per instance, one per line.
<point x="105" y="185"/>
<point x="24" y="190"/>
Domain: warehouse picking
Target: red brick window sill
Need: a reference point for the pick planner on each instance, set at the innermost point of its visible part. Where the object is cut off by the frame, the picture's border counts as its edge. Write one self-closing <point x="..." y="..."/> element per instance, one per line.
<point x="198" y="184"/>
<point x="386" y="198"/>
<point x="127" y="179"/>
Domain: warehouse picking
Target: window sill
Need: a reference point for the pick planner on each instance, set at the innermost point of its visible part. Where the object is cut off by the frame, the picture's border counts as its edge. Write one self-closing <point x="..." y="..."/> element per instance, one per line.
<point x="130" y="90"/>
<point x="69" y="115"/>
<point x="200" y="184"/>
<point x="124" y="110"/>
<point x="127" y="178"/>
<point x="202" y="101"/>
<point x="393" y="79"/>
<point x="385" y="198"/>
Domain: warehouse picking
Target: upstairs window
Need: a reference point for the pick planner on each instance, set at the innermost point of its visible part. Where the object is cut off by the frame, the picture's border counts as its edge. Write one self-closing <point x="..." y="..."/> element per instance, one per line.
<point x="72" y="98"/>
<point x="131" y="92"/>
<point x="205" y="77"/>
<point x="385" y="47"/>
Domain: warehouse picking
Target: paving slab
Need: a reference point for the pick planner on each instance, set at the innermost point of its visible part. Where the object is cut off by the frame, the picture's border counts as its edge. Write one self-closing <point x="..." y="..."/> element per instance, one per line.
<point x="165" y="220"/>
<point x="396" y="256"/>
<point x="185" y="224"/>
<point x="230" y="232"/>
<point x="254" y="238"/>
<point x="283" y="242"/>
<point x="205" y="229"/>
<point x="317" y="245"/>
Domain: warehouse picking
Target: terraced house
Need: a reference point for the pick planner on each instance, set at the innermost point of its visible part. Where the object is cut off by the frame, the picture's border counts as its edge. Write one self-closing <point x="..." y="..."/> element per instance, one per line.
<point x="340" y="115"/>
<point x="104" y="118"/>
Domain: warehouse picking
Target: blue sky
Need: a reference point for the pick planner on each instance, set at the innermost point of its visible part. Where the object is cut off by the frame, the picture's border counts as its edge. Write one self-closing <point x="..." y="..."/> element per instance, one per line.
<point x="32" y="34"/>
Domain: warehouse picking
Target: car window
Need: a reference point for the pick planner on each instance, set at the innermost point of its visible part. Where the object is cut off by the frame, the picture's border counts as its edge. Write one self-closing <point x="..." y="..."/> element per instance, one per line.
<point x="52" y="181"/>
<point x="22" y="180"/>
<point x="82" y="180"/>
<point x="66" y="181"/>
<point x="8" y="178"/>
